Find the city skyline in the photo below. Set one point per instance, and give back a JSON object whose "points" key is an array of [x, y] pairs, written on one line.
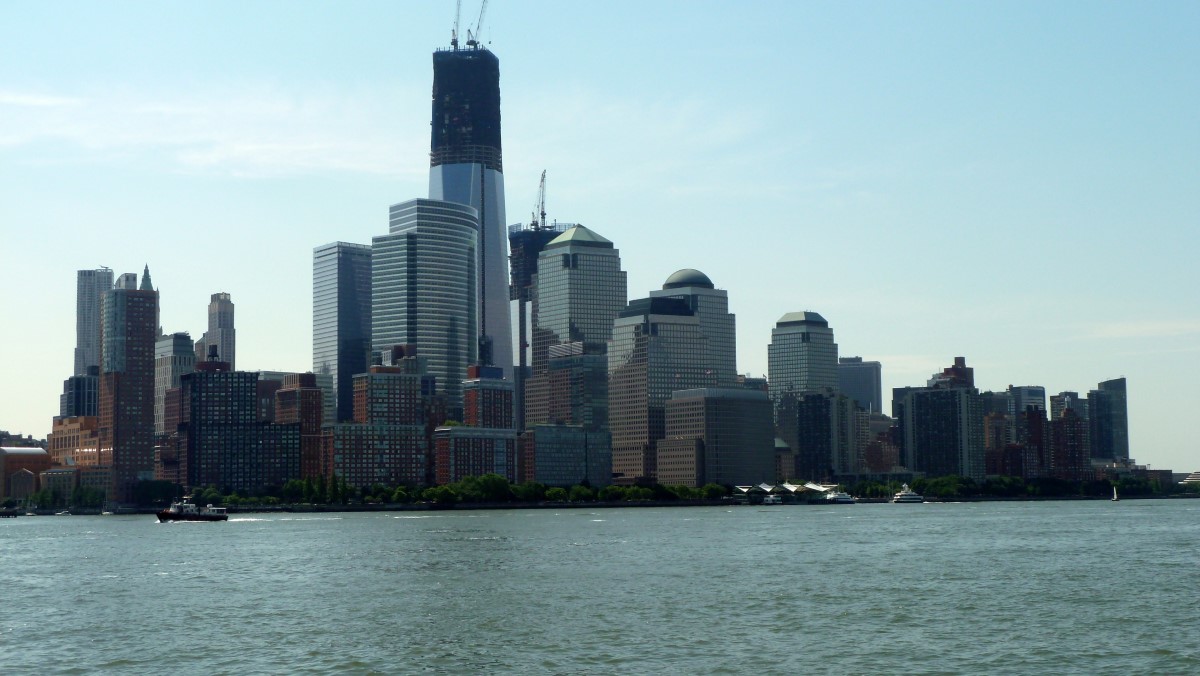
{"points": [[1008, 183]]}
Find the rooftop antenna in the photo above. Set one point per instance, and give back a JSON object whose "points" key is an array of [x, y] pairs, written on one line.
{"points": [[454, 31]]}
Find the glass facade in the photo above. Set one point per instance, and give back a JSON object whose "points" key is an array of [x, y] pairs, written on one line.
{"points": [[423, 289], [711, 307], [657, 348], [90, 287], [342, 318], [174, 356], [802, 355]]}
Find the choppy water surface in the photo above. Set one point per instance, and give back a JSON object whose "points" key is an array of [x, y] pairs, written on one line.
{"points": [[1059, 587]]}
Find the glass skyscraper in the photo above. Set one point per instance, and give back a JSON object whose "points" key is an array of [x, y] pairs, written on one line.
{"points": [[802, 355], [342, 318], [711, 306], [466, 168], [423, 289], [90, 287], [657, 348]]}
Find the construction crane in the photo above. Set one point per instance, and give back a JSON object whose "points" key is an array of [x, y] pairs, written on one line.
{"points": [[454, 31], [540, 224], [473, 38]]}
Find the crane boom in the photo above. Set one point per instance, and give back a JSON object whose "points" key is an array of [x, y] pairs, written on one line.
{"points": [[542, 200], [454, 31]]}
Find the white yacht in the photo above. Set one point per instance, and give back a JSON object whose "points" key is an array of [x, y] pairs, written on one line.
{"points": [[906, 494], [839, 498], [772, 500]]}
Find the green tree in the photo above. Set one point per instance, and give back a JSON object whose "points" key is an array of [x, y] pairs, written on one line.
{"points": [[440, 495], [612, 493], [530, 491], [581, 493], [713, 491], [556, 494], [400, 495], [292, 491]]}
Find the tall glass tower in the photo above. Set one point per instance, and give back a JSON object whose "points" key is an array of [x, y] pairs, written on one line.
{"points": [[466, 168], [90, 287], [342, 318], [711, 306], [423, 290], [802, 356]]}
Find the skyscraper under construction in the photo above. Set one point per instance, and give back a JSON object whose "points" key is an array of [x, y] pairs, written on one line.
{"points": [[466, 167]]}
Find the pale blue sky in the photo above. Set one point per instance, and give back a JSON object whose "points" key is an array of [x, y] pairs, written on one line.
{"points": [[1017, 183]]}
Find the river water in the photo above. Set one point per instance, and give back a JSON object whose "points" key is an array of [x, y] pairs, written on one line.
{"points": [[1017, 588]]}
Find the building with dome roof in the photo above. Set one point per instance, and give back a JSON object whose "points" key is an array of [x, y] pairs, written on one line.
{"points": [[719, 326]]}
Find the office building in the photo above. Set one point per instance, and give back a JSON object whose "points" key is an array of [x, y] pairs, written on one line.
{"points": [[862, 381], [80, 395], [657, 348], [173, 357], [1108, 420], [525, 244], [566, 455], [466, 168], [423, 290], [580, 291], [717, 435], [1064, 400], [802, 356], [826, 432], [90, 287], [220, 331], [126, 399], [711, 307], [342, 318]]}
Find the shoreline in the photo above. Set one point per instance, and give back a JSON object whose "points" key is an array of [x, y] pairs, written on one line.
{"points": [[476, 506]]}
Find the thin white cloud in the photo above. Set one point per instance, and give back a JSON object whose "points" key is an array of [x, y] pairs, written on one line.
{"points": [[1168, 328], [241, 132], [36, 100]]}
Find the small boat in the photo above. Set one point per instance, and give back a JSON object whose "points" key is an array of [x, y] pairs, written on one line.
{"points": [[65, 512], [1115, 498], [186, 510], [839, 498], [906, 494], [773, 500]]}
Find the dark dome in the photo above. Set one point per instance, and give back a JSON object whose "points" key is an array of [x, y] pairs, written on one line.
{"points": [[688, 277]]}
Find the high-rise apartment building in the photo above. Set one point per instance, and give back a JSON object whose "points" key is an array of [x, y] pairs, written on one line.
{"points": [[129, 321], [943, 424], [657, 348], [802, 356], [862, 381], [711, 307], [1108, 420], [466, 168], [423, 290], [342, 318], [90, 287], [173, 357]]}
